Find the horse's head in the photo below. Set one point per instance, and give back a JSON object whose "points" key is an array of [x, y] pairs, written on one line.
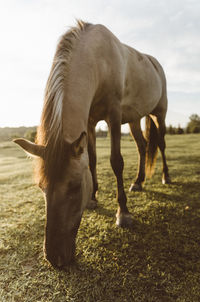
{"points": [[65, 201]]}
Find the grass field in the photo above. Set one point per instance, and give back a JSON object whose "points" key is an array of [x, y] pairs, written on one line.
{"points": [[157, 260]]}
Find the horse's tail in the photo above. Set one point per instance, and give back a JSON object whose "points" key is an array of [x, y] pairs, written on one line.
{"points": [[151, 135]]}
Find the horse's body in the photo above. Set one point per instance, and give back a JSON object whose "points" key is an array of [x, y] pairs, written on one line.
{"points": [[94, 77]]}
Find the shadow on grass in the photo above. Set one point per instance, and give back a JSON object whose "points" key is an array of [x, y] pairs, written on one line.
{"points": [[151, 262], [182, 192], [103, 211]]}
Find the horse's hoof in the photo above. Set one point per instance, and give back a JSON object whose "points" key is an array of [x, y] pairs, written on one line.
{"points": [[124, 220], [135, 188], [166, 180], [92, 204]]}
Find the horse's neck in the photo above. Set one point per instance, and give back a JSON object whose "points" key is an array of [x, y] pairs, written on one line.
{"points": [[73, 126], [76, 107], [79, 91]]}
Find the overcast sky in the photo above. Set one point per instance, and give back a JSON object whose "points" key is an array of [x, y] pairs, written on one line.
{"points": [[30, 29]]}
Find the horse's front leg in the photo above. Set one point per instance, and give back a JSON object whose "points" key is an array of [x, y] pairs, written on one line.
{"points": [[92, 163], [124, 218]]}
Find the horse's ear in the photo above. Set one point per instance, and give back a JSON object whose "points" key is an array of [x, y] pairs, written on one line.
{"points": [[79, 144], [31, 148]]}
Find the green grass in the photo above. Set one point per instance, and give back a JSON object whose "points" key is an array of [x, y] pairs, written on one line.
{"points": [[158, 260]]}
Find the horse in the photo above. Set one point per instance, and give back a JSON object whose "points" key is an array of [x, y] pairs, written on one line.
{"points": [[93, 77]]}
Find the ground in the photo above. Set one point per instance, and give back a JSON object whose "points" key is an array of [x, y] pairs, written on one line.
{"points": [[157, 260]]}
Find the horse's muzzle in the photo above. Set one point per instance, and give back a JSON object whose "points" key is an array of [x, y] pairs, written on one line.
{"points": [[59, 257]]}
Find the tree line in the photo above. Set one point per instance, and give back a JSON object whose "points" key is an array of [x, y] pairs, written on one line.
{"points": [[193, 126], [29, 133]]}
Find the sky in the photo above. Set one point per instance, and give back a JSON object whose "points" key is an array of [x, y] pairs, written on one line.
{"points": [[30, 29]]}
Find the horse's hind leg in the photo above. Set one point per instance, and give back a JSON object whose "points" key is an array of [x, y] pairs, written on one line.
{"points": [[124, 218], [161, 144], [92, 162], [141, 145]]}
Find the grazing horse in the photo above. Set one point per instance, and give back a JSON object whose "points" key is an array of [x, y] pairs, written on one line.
{"points": [[93, 77]]}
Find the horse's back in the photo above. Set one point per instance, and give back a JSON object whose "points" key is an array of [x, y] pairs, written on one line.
{"points": [[136, 79], [110, 74], [107, 53], [144, 85]]}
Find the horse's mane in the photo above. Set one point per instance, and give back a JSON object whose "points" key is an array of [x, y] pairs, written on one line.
{"points": [[50, 131]]}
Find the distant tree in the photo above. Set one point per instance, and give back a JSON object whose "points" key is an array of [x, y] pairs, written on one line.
{"points": [[174, 130], [101, 133], [30, 135], [170, 130], [195, 118], [196, 129], [9, 133], [179, 130], [194, 124]]}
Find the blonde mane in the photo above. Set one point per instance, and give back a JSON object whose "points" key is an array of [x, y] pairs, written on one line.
{"points": [[50, 131]]}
